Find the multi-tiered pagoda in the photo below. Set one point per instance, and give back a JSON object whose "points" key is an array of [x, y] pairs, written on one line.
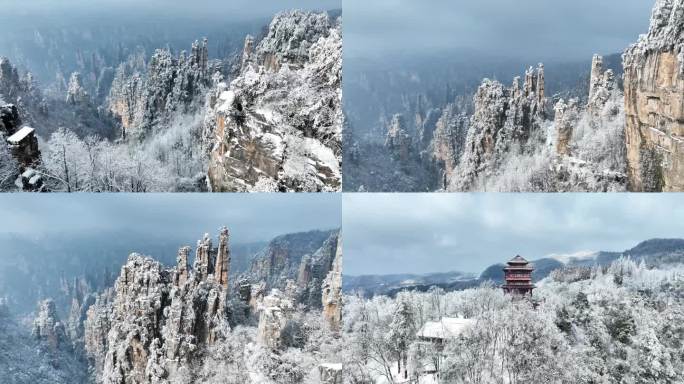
{"points": [[518, 277]]}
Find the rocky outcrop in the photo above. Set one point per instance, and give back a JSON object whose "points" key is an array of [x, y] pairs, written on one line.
{"points": [[296, 264], [565, 119], [332, 292], [144, 97], [504, 120], [158, 321], [76, 94], [397, 140], [654, 102], [602, 87], [47, 327], [277, 126], [274, 314], [41, 355], [448, 142], [10, 122]]}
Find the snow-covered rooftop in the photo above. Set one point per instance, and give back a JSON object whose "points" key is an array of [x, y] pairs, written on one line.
{"points": [[20, 135], [447, 327]]}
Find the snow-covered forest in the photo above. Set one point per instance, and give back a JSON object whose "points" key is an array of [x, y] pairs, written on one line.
{"points": [[135, 117], [622, 323]]}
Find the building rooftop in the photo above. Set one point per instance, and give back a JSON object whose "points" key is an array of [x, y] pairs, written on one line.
{"points": [[518, 260], [445, 328], [20, 135]]}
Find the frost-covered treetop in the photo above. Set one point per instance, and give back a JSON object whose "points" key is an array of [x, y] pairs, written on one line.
{"points": [[665, 31], [292, 33]]}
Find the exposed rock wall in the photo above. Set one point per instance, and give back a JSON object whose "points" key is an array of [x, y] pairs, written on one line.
{"points": [[398, 141], [157, 321], [277, 126], [274, 314], [47, 326], [448, 142], [564, 122], [503, 121], [145, 96], [302, 259], [654, 102], [332, 291]]}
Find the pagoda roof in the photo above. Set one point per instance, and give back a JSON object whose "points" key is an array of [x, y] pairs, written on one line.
{"points": [[518, 260]]}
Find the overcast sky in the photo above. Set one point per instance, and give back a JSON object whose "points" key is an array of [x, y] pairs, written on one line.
{"points": [[250, 217], [529, 29], [422, 233], [228, 9]]}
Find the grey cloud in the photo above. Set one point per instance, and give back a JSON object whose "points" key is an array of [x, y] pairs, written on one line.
{"points": [[530, 29], [230, 10], [251, 217], [395, 233]]}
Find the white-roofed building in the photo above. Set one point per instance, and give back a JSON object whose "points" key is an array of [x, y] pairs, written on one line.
{"points": [[24, 146], [20, 135], [432, 336], [444, 329]]}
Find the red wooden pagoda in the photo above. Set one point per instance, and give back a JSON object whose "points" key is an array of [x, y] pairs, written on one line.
{"points": [[518, 277]]}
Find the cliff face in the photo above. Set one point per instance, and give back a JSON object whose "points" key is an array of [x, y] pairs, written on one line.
{"points": [[296, 264], [332, 291], [448, 142], [654, 102], [277, 126], [157, 322]]}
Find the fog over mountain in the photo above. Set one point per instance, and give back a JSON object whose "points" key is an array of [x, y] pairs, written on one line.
{"points": [[414, 233]]}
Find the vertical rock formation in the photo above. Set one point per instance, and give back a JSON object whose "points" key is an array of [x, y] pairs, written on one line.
{"points": [[277, 126], [504, 120], [275, 312], [397, 140], [76, 94], [157, 323], [654, 102], [332, 292], [596, 74], [247, 53], [222, 267], [146, 96], [448, 142], [564, 121], [602, 87], [182, 268], [47, 327]]}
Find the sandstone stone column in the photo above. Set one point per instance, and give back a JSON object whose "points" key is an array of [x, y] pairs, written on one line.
{"points": [[183, 266], [596, 74], [202, 264], [332, 291], [222, 267]]}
